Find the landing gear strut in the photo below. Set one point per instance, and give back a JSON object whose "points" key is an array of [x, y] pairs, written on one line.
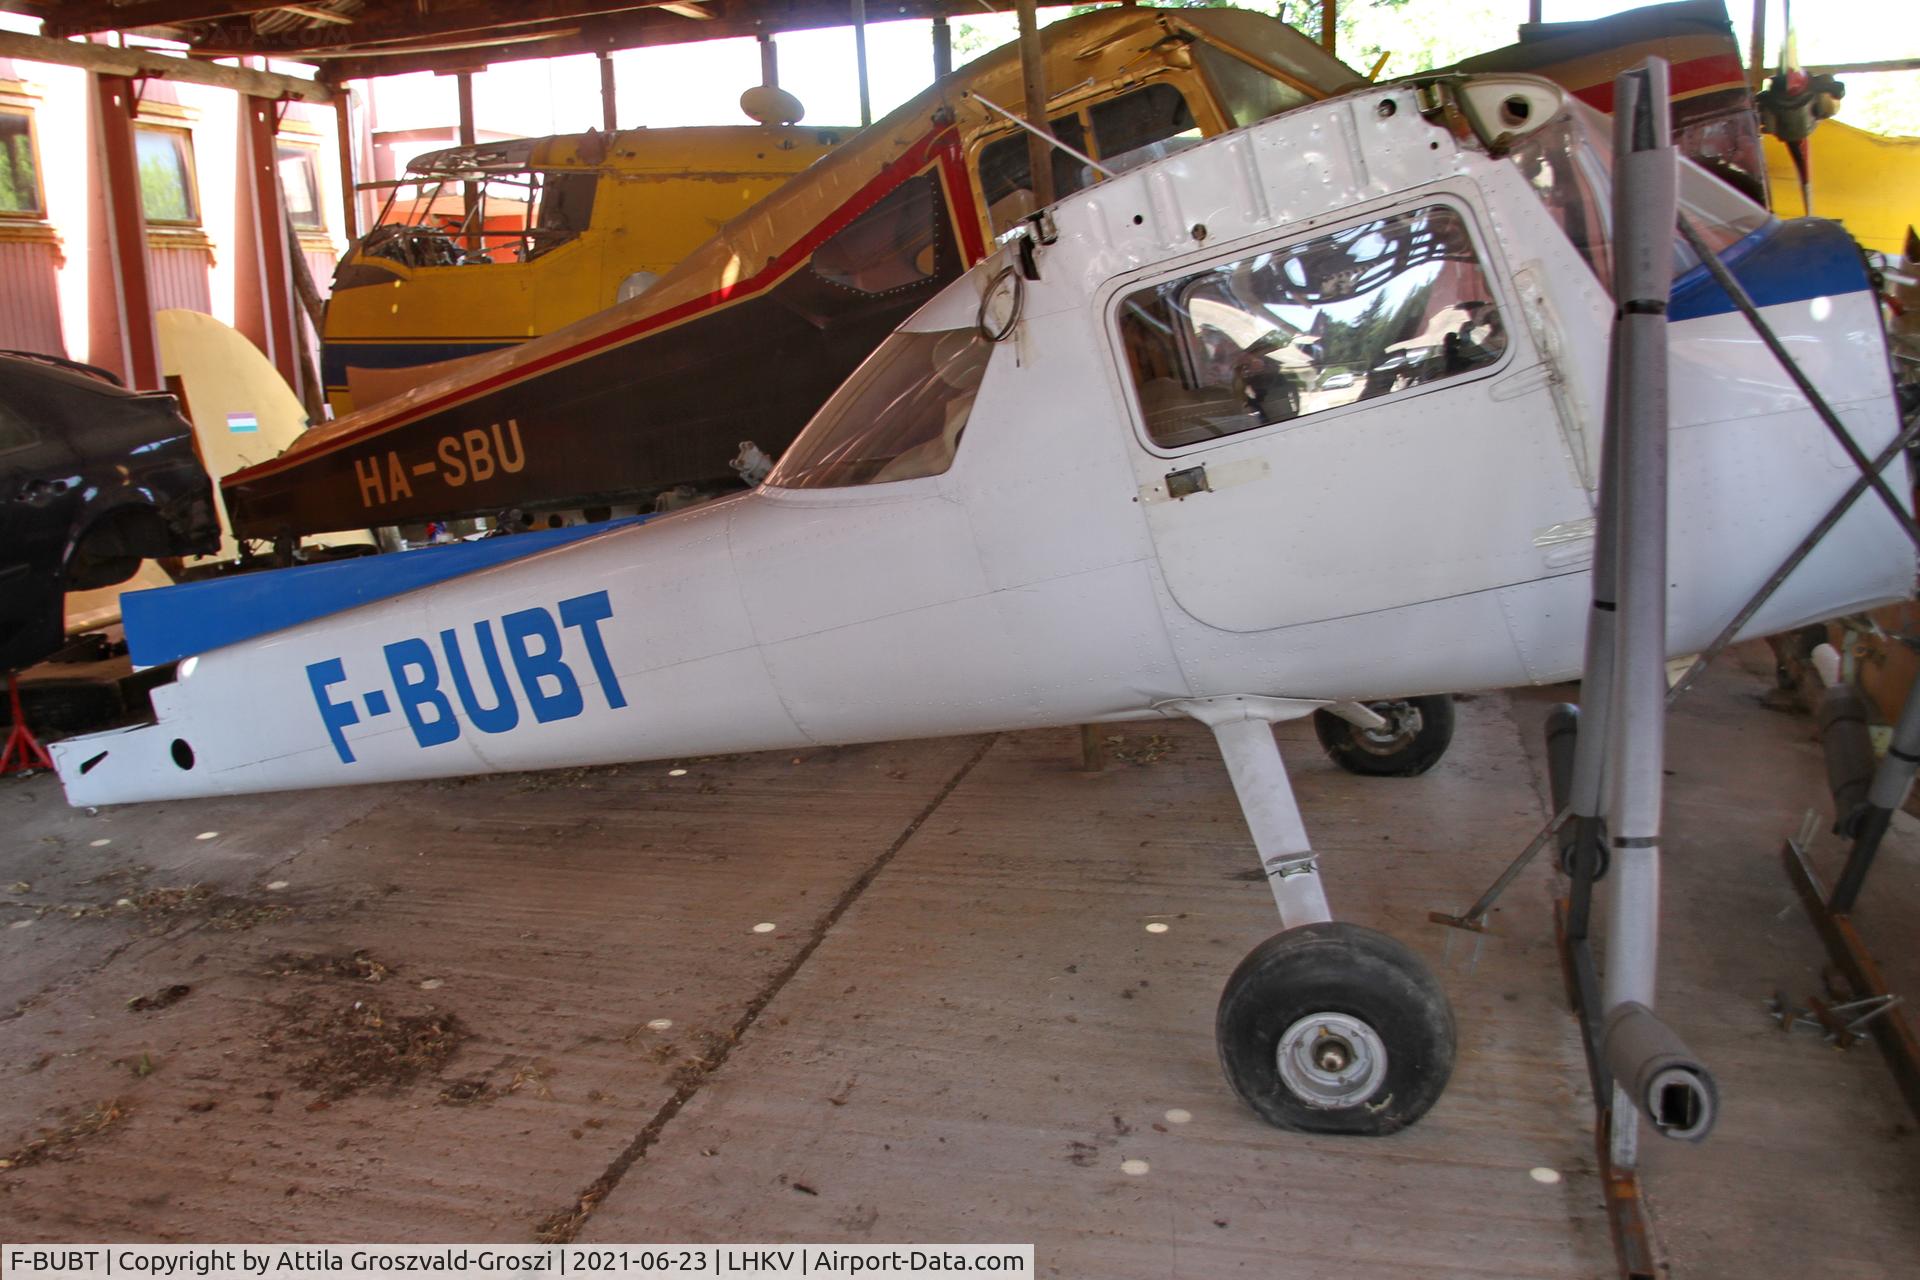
{"points": [[1326, 1027]]}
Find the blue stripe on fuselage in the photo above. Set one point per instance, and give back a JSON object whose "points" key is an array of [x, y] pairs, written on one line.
{"points": [[172, 622], [1781, 262]]}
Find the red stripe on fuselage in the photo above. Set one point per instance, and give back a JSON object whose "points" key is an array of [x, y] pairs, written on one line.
{"points": [[966, 214], [1722, 70], [910, 162]]}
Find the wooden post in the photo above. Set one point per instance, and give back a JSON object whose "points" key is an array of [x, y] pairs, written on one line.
{"points": [[769, 61], [349, 194], [1326, 23], [609, 113], [860, 59], [942, 49], [126, 232], [1093, 749], [470, 192], [1757, 59], [153, 64], [1033, 76], [270, 238]]}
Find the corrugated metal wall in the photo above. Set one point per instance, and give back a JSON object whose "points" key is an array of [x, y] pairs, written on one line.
{"points": [[29, 298], [320, 263], [179, 278]]}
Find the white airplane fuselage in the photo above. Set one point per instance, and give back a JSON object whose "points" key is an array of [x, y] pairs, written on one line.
{"points": [[1435, 538]]}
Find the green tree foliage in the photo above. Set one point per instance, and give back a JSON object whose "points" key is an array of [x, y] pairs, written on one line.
{"points": [[18, 188]]}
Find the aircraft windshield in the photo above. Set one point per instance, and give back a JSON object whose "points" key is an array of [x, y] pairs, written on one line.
{"points": [[1247, 94], [1569, 164], [899, 417], [442, 219]]}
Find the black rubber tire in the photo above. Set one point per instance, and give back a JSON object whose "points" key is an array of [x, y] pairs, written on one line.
{"points": [[1344, 745], [1342, 968]]}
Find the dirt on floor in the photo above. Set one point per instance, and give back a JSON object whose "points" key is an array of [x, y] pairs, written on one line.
{"points": [[951, 990]]}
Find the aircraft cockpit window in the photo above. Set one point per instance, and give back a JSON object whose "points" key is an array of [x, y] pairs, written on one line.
{"points": [[1137, 127], [1397, 303], [900, 416], [1560, 164], [1569, 164], [1129, 130], [470, 217], [566, 209], [1723, 216], [1246, 93], [893, 245], [1006, 180]]}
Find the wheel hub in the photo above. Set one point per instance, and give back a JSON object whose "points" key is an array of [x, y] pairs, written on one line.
{"points": [[1404, 723], [1331, 1060]]}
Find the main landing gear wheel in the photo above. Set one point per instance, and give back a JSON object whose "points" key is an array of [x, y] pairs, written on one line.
{"points": [[1416, 735], [1335, 1028]]}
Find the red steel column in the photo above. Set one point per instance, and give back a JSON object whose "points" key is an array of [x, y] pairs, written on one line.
{"points": [[127, 231], [270, 237]]}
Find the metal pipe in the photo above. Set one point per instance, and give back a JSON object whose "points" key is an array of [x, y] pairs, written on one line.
{"points": [[860, 59], [1474, 916], [1666, 1081], [769, 60], [1846, 742], [1891, 783], [1327, 33], [1586, 791], [1718, 270], [1646, 192], [942, 49], [1563, 743], [1756, 58], [1042, 138]]}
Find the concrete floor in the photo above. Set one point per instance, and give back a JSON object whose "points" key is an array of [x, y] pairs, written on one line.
{"points": [[957, 1028]]}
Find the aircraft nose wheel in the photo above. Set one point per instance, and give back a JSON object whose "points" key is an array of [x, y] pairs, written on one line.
{"points": [[1417, 734], [1335, 1028]]}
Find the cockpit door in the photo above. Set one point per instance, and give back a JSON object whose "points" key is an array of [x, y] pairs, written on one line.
{"points": [[1346, 422]]}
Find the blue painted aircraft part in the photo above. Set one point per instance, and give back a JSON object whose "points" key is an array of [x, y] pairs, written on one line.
{"points": [[1781, 262], [169, 623]]}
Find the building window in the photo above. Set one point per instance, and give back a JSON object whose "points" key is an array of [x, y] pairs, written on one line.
{"points": [[167, 194], [19, 171], [1392, 305], [300, 186]]}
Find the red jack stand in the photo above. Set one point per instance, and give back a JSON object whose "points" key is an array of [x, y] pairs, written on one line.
{"points": [[23, 752]]}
